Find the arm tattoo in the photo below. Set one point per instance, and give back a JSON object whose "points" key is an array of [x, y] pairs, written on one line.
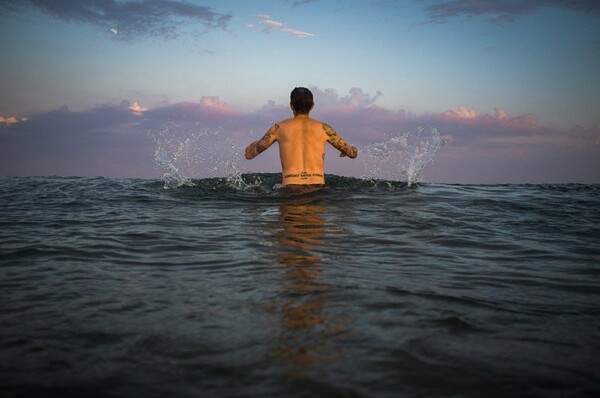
{"points": [[267, 139], [338, 142], [333, 136]]}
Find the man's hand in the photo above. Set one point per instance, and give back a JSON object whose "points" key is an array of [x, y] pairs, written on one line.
{"points": [[353, 151], [250, 151]]}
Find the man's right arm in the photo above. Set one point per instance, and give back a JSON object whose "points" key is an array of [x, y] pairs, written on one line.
{"points": [[257, 147], [338, 143]]}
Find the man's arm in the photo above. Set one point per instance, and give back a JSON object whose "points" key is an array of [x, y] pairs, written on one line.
{"points": [[254, 149], [338, 143]]}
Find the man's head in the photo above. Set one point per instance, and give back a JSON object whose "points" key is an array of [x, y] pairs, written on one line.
{"points": [[301, 100]]}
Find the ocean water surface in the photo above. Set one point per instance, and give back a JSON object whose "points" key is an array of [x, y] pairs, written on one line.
{"points": [[232, 287]]}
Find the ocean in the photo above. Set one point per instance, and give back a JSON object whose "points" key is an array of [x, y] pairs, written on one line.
{"points": [[232, 287]]}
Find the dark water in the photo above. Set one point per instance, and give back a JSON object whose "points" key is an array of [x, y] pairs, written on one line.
{"points": [[120, 288]]}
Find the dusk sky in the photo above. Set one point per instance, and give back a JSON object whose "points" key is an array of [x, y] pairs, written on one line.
{"points": [[513, 86]]}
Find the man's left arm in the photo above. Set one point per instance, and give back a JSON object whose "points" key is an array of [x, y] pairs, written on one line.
{"points": [[338, 143], [257, 147]]}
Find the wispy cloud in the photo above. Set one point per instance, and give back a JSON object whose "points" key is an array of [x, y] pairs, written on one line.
{"points": [[302, 2], [504, 11], [271, 25], [130, 19]]}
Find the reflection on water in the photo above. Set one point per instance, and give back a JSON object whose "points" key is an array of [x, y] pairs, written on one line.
{"points": [[307, 329]]}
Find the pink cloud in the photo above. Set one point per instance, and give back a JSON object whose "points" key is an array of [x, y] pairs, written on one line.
{"points": [[270, 25], [527, 121], [296, 33], [7, 121], [99, 141], [209, 109], [461, 113], [500, 121], [214, 104], [356, 99], [500, 113], [137, 109]]}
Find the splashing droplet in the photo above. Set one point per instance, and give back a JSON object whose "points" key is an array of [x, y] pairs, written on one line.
{"points": [[403, 156], [183, 152]]}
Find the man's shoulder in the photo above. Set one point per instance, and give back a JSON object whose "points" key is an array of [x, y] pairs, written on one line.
{"points": [[285, 121], [316, 121], [295, 119]]}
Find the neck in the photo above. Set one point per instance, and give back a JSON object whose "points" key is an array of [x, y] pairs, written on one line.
{"points": [[300, 114]]}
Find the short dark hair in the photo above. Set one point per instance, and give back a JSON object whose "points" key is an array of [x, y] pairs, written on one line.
{"points": [[301, 100]]}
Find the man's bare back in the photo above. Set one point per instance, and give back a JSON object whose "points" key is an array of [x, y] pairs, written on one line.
{"points": [[301, 142]]}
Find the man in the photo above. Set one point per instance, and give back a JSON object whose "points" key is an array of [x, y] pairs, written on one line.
{"points": [[301, 142]]}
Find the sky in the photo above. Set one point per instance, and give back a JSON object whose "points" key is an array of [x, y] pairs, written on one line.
{"points": [[512, 86]]}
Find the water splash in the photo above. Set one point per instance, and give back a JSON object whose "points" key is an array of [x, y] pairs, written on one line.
{"points": [[186, 152], [403, 156]]}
